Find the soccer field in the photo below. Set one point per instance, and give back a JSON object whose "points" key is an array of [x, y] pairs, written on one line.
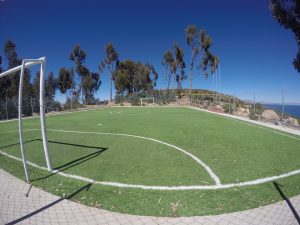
{"points": [[145, 160]]}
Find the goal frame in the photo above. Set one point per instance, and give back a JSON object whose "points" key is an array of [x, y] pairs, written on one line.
{"points": [[147, 99], [25, 64]]}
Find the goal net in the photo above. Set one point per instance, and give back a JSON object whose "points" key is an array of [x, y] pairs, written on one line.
{"points": [[147, 101], [14, 105]]}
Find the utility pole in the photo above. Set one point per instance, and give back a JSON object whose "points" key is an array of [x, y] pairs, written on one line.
{"points": [[282, 110]]}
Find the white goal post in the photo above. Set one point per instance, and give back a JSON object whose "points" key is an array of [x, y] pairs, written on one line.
{"points": [[25, 64], [152, 99]]}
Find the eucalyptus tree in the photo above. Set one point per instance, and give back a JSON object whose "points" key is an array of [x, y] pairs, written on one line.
{"points": [[90, 85], [110, 62], [191, 35], [131, 77], [287, 13], [154, 73], [79, 56], [50, 87], [10, 83], [11, 56], [178, 67], [65, 80], [208, 62], [1, 69], [168, 61], [3, 82]]}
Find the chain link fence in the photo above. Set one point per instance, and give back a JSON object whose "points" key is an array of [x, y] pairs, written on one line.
{"points": [[31, 107]]}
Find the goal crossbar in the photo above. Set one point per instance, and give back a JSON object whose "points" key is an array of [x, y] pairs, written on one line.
{"points": [[25, 64]]}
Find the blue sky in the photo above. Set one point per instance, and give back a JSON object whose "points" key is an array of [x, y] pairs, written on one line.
{"points": [[256, 54]]}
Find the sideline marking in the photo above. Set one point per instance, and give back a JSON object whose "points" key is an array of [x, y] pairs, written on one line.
{"points": [[250, 123], [113, 113], [130, 113]]}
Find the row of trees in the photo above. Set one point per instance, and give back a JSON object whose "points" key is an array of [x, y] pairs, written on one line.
{"points": [[79, 83], [9, 85], [200, 43], [128, 76]]}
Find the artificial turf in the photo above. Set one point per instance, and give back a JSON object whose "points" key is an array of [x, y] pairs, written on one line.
{"points": [[235, 151]]}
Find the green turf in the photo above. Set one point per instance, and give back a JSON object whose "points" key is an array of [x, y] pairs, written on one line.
{"points": [[235, 151]]}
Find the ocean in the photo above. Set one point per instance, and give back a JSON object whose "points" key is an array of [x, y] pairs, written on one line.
{"points": [[293, 110]]}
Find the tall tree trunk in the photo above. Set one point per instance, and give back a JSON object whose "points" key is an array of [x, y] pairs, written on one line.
{"points": [[191, 79], [179, 87], [111, 79], [174, 87], [191, 72], [110, 98], [168, 85]]}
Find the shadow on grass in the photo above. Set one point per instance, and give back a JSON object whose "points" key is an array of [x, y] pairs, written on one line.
{"points": [[74, 162], [277, 186], [69, 164], [15, 144], [87, 187]]}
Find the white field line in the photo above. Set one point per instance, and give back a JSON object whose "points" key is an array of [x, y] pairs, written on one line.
{"points": [[130, 114], [206, 167], [251, 123], [161, 188]]}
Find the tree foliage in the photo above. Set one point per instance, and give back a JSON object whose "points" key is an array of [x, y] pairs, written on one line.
{"points": [[110, 62], [175, 65], [65, 80], [167, 62], [133, 77], [191, 35], [89, 81], [287, 13], [209, 62], [50, 87], [178, 67]]}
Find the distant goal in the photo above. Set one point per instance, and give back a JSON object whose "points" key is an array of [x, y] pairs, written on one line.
{"points": [[147, 102]]}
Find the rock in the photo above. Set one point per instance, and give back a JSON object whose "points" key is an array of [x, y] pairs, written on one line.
{"points": [[242, 111], [293, 121], [270, 115]]}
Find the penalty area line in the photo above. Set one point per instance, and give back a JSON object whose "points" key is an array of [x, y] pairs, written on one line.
{"points": [[160, 188], [200, 162]]}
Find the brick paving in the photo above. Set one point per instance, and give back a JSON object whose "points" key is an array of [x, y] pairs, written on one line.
{"points": [[41, 207]]}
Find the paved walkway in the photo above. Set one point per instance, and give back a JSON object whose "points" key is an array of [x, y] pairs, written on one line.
{"points": [[41, 207]]}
